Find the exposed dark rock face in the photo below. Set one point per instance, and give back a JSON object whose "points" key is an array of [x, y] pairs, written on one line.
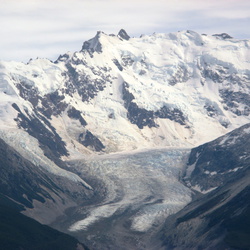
{"points": [[223, 36], [93, 45], [52, 103], [20, 232], [211, 110], [127, 60], [49, 140], [76, 114], [88, 139], [118, 65], [123, 34], [83, 85], [142, 117], [217, 75], [172, 114], [62, 58], [214, 163], [181, 75], [233, 101], [27, 90]]}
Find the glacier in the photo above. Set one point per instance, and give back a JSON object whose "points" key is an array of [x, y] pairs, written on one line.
{"points": [[144, 183]]}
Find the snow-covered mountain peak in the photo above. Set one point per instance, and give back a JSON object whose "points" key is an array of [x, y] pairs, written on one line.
{"points": [[101, 40], [94, 43], [119, 93]]}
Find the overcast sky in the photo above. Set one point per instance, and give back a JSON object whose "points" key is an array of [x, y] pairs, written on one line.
{"points": [[48, 28]]}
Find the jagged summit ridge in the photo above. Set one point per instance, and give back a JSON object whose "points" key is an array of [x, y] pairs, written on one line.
{"points": [[123, 34], [121, 93], [95, 44]]}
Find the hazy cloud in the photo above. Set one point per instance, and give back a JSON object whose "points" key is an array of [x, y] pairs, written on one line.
{"points": [[45, 28]]}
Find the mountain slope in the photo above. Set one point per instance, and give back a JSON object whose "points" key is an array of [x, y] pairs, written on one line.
{"points": [[221, 218], [120, 93], [38, 193], [213, 164], [20, 232]]}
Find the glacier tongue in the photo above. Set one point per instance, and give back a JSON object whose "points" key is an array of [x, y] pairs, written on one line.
{"points": [[145, 184]]}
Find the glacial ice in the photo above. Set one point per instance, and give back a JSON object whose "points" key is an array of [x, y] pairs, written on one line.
{"points": [[145, 182]]}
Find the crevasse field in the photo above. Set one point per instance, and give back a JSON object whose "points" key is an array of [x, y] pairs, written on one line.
{"points": [[145, 184]]}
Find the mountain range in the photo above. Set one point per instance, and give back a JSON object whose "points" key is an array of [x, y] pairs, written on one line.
{"points": [[132, 143]]}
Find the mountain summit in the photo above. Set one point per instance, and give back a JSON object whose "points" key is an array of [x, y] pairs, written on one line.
{"points": [[123, 34], [120, 93]]}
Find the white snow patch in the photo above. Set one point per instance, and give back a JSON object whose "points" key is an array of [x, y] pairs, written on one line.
{"points": [[235, 169], [247, 130], [198, 188]]}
